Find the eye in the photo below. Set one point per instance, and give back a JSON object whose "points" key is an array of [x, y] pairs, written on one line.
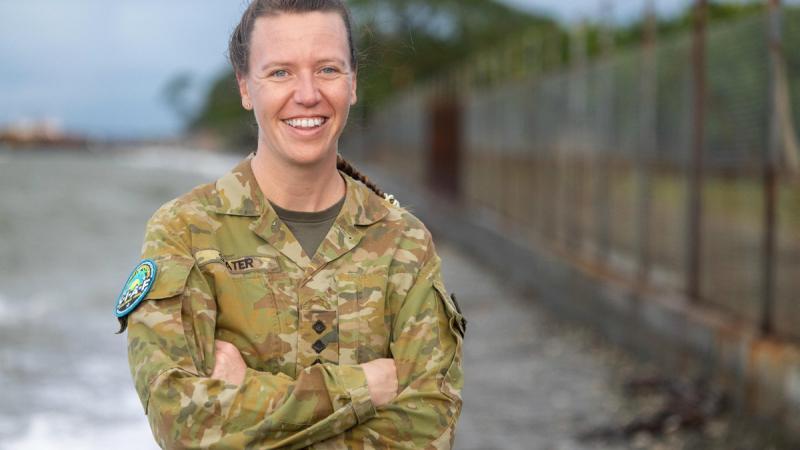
{"points": [[280, 73], [329, 70]]}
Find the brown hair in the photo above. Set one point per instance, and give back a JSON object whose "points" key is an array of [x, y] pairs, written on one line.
{"points": [[348, 168], [239, 49], [239, 45]]}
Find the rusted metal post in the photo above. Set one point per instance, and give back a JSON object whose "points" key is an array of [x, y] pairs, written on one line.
{"points": [[498, 197], [561, 170], [507, 156], [553, 209], [695, 204], [576, 152], [769, 176], [606, 110], [647, 142], [444, 159]]}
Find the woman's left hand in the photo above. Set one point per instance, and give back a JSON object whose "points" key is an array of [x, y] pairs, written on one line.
{"points": [[228, 365]]}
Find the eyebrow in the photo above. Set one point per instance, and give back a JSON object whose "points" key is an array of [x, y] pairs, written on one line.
{"points": [[289, 64], [332, 60]]}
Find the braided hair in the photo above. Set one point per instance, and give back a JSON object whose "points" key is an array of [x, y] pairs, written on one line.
{"points": [[348, 168]]}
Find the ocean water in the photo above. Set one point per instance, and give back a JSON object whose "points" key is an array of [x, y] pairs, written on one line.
{"points": [[71, 225]]}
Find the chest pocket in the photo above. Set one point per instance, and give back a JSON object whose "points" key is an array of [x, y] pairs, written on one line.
{"points": [[363, 325], [247, 314]]}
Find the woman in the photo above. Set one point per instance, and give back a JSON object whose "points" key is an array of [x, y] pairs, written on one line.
{"points": [[288, 304]]}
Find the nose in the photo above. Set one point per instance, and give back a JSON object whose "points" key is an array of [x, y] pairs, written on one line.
{"points": [[306, 92]]}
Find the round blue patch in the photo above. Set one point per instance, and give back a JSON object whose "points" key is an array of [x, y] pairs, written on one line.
{"points": [[136, 288]]}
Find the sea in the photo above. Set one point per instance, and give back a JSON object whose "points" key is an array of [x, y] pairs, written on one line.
{"points": [[71, 227]]}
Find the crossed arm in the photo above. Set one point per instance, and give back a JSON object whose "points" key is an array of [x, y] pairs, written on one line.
{"points": [[381, 374], [196, 396]]}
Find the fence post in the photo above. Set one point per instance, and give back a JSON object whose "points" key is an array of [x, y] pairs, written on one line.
{"points": [[574, 154], [582, 161], [606, 106], [647, 142], [768, 168], [555, 218], [695, 191]]}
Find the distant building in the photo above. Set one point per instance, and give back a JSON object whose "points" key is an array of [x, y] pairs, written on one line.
{"points": [[42, 133]]}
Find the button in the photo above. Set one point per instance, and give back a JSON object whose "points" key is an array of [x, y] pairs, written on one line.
{"points": [[318, 346], [318, 326]]}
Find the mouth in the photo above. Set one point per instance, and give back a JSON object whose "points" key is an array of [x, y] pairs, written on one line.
{"points": [[306, 123]]}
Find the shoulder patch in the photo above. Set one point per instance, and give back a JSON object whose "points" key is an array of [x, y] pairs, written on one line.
{"points": [[136, 288]]}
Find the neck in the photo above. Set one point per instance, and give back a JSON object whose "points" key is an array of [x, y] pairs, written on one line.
{"points": [[308, 188]]}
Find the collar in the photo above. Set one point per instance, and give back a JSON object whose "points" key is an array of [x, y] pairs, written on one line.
{"points": [[238, 194]]}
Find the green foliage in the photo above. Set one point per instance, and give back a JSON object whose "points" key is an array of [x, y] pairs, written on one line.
{"points": [[718, 11], [406, 41], [222, 114]]}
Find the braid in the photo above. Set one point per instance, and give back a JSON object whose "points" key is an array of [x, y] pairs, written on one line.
{"points": [[348, 168]]}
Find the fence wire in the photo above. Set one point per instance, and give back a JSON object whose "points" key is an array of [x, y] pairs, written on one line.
{"points": [[593, 158]]}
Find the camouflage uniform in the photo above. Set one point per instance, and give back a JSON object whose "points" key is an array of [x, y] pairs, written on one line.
{"points": [[229, 269]]}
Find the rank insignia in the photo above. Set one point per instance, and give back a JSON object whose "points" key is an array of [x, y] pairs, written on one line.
{"points": [[136, 288]]}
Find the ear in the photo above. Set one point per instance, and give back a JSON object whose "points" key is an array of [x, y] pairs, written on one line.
{"points": [[353, 91], [247, 102]]}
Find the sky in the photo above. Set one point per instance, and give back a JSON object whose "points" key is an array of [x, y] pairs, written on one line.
{"points": [[576, 10], [99, 67]]}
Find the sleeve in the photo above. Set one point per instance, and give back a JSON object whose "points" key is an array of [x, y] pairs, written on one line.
{"points": [[170, 350], [426, 345]]}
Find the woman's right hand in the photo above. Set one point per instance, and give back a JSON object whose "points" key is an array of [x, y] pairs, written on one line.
{"points": [[381, 377], [228, 365]]}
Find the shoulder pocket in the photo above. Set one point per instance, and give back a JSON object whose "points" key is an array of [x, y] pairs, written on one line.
{"points": [[457, 321], [171, 276]]}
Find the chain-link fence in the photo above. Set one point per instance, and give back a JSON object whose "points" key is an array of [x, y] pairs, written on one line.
{"points": [[668, 164]]}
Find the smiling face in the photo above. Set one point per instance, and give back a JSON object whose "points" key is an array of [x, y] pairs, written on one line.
{"points": [[299, 84]]}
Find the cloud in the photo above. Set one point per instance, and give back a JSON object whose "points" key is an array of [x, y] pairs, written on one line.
{"points": [[101, 65]]}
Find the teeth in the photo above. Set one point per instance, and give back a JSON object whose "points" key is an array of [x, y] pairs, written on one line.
{"points": [[306, 123]]}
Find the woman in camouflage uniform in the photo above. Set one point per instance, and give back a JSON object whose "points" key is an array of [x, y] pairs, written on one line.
{"points": [[250, 328]]}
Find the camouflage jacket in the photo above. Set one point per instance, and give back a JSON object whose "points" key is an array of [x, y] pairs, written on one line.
{"points": [[228, 268]]}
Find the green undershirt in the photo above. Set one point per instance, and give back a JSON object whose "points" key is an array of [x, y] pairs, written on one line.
{"points": [[309, 228]]}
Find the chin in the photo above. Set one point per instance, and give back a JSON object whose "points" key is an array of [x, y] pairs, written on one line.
{"points": [[310, 155]]}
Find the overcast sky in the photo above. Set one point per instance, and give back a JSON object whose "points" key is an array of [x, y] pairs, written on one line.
{"points": [[99, 66], [576, 10]]}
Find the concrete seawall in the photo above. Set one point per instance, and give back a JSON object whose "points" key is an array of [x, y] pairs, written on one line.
{"points": [[762, 375]]}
